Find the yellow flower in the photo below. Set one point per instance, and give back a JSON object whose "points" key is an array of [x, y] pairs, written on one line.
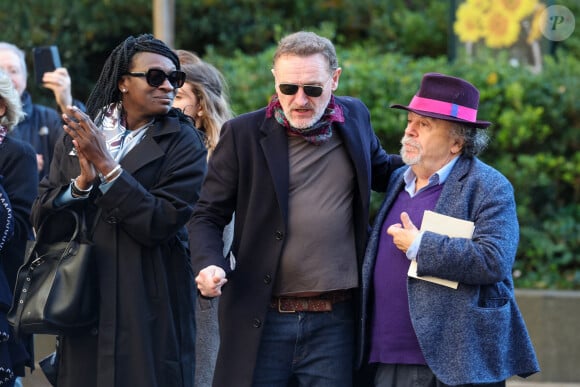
{"points": [[518, 9], [499, 29], [492, 78], [468, 23], [538, 21]]}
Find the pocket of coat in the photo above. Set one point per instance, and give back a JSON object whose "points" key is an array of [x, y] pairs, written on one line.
{"points": [[493, 296], [493, 302]]}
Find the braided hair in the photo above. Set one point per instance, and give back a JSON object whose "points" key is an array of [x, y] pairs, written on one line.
{"points": [[106, 90]]}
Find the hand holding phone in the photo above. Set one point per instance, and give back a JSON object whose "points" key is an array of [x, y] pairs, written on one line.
{"points": [[46, 59]]}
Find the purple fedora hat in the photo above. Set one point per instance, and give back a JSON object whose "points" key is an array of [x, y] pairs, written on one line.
{"points": [[447, 98]]}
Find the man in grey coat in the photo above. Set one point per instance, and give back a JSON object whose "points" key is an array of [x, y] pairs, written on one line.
{"points": [[423, 333]]}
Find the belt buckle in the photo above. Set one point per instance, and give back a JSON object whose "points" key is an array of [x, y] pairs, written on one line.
{"points": [[280, 310]]}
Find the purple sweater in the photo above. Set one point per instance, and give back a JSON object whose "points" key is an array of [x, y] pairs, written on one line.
{"points": [[393, 340]]}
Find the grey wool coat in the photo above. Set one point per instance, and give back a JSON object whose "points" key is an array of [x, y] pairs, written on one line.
{"points": [[249, 174], [474, 334], [146, 328]]}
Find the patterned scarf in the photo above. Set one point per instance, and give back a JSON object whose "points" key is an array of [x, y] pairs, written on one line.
{"points": [[114, 127], [3, 132], [318, 133], [113, 124]]}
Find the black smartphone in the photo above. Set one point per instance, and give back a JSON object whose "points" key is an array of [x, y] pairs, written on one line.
{"points": [[46, 58]]}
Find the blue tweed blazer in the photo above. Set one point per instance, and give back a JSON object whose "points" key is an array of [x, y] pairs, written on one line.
{"points": [[474, 334]]}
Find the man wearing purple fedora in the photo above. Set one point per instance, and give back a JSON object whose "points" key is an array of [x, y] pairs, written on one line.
{"points": [[420, 333]]}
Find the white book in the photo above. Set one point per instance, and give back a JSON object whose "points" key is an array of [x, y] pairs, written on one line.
{"points": [[444, 225]]}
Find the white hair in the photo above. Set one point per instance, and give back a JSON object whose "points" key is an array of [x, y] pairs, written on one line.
{"points": [[11, 99]]}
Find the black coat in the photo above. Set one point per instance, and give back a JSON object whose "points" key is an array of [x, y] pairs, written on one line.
{"points": [[146, 327], [19, 176], [249, 173]]}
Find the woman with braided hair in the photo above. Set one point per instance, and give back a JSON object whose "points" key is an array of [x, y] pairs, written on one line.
{"points": [[133, 165]]}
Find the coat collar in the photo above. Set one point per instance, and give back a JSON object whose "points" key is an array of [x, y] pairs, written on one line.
{"points": [[148, 149], [453, 187], [27, 103]]}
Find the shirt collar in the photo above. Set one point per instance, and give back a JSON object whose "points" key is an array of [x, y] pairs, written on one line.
{"points": [[438, 177]]}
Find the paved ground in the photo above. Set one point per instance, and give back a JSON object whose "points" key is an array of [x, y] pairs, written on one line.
{"points": [[38, 380], [44, 345]]}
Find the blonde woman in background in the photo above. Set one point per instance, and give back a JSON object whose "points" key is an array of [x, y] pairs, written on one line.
{"points": [[204, 99], [187, 57]]}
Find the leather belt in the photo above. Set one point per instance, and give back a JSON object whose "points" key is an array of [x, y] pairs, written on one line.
{"points": [[319, 303]]}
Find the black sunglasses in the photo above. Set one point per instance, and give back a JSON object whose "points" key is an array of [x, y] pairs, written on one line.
{"points": [[156, 77], [309, 90]]}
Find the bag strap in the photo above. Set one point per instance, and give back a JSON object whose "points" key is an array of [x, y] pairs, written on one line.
{"points": [[21, 299]]}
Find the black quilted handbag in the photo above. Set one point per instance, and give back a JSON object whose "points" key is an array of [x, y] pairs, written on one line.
{"points": [[56, 288]]}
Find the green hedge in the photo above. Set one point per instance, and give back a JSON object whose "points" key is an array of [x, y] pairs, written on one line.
{"points": [[535, 140], [385, 47], [87, 30]]}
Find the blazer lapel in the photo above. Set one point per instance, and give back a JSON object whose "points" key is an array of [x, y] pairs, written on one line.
{"points": [[275, 147], [396, 185], [148, 149], [452, 189]]}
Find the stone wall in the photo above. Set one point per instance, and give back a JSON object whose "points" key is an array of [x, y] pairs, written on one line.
{"points": [[553, 320]]}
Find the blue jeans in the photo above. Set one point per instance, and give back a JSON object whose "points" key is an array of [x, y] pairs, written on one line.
{"points": [[312, 348]]}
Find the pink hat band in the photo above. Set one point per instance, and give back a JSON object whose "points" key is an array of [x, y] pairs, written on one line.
{"points": [[445, 108], [446, 98]]}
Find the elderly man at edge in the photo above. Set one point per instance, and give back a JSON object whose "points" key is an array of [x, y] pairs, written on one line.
{"points": [[425, 334]]}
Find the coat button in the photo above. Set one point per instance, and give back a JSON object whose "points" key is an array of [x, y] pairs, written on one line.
{"points": [[278, 235], [257, 323], [267, 279]]}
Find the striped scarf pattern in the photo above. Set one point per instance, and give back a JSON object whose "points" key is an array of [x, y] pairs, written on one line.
{"points": [[318, 133]]}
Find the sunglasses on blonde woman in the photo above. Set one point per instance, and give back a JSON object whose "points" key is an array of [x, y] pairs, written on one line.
{"points": [[156, 77]]}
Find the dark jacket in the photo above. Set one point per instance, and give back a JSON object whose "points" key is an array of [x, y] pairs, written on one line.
{"points": [[474, 334], [19, 176], [20, 180], [146, 328], [41, 128], [249, 173]]}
